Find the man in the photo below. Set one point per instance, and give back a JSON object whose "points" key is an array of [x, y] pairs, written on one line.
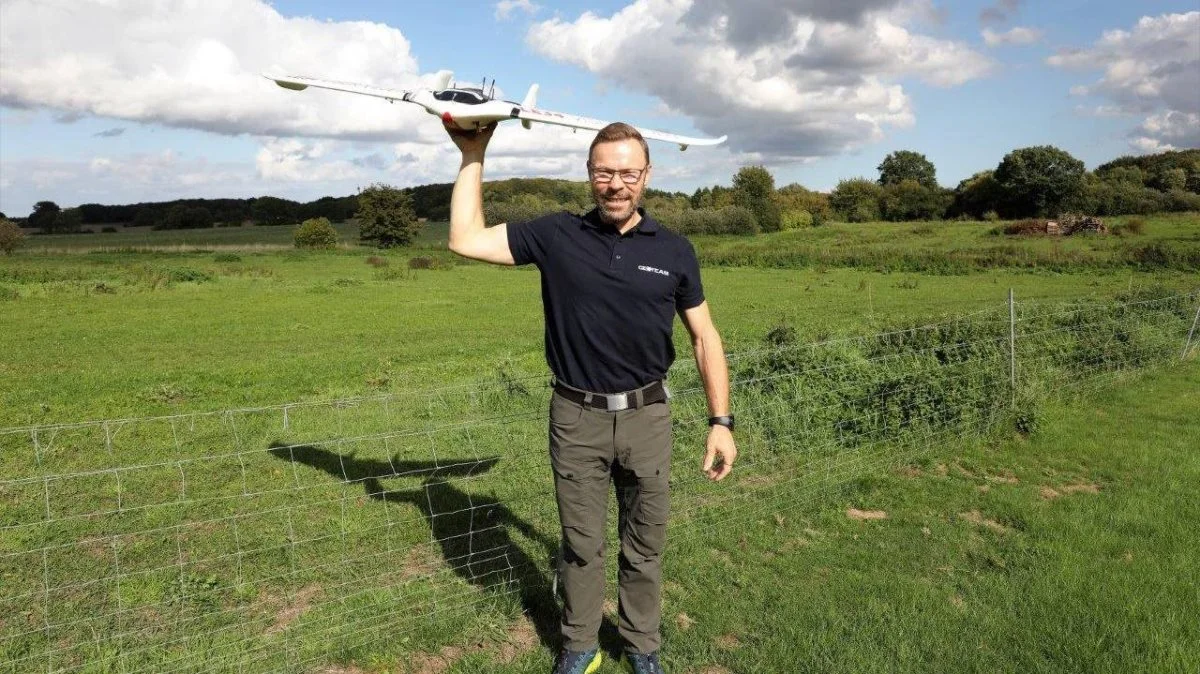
{"points": [[612, 282]]}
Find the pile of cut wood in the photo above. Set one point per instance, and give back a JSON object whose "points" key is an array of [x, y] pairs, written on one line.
{"points": [[1074, 224]]}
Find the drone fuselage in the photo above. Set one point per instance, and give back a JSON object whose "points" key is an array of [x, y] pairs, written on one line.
{"points": [[463, 108]]}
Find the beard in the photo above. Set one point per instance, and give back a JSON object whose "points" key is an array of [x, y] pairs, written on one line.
{"points": [[615, 213]]}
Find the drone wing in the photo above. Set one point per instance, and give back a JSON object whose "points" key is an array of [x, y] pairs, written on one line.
{"points": [[302, 83], [576, 122]]}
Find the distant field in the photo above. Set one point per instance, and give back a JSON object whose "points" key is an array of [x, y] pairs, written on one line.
{"points": [[1170, 241], [247, 237], [117, 334]]}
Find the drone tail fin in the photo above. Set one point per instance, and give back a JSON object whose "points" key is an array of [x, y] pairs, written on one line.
{"points": [[530, 98]]}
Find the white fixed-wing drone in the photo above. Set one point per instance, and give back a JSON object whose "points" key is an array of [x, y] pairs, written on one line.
{"points": [[471, 108]]}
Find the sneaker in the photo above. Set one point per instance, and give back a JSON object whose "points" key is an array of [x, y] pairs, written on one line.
{"points": [[643, 663], [575, 662]]}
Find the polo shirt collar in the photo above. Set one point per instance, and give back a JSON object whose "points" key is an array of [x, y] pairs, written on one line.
{"points": [[647, 225]]}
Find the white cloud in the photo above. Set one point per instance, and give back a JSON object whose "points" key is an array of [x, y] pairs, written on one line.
{"points": [[825, 78], [505, 8], [197, 65], [1015, 35], [1152, 70]]}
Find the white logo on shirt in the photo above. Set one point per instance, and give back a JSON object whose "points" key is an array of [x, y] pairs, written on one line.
{"points": [[654, 270]]}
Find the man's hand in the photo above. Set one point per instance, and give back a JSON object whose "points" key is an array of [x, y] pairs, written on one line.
{"points": [[473, 142], [720, 446]]}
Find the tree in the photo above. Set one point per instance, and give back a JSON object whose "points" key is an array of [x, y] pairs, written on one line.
{"points": [[856, 199], [910, 200], [68, 221], [187, 217], [44, 215], [1169, 179], [904, 165], [796, 197], [386, 216], [754, 190], [274, 211], [145, 217], [11, 236], [976, 195], [1038, 180]]}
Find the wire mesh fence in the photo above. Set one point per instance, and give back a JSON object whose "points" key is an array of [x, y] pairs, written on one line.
{"points": [[281, 538]]}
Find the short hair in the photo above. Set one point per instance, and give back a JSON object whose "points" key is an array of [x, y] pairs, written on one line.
{"points": [[619, 131]]}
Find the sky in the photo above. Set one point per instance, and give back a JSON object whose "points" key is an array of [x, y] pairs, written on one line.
{"points": [[123, 101]]}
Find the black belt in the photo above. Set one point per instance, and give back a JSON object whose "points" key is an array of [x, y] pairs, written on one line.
{"points": [[654, 392]]}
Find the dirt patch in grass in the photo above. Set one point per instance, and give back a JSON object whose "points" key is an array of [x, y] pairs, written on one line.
{"points": [[420, 561], [977, 518], [290, 613], [863, 515], [728, 642], [520, 637], [711, 669], [1005, 477], [343, 669], [910, 471], [684, 622], [427, 663], [1050, 493]]}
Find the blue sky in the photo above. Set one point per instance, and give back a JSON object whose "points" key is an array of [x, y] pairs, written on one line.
{"points": [[155, 101]]}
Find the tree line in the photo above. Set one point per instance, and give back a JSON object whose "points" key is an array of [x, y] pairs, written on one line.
{"points": [[1033, 181]]}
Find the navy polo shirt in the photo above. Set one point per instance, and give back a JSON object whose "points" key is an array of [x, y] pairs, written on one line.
{"points": [[609, 299]]}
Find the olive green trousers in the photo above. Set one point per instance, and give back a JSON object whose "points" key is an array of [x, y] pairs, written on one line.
{"points": [[589, 450]]}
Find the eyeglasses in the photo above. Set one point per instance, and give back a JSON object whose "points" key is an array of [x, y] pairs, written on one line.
{"points": [[628, 176]]}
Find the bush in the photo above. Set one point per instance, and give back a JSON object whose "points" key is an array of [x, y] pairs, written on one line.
{"points": [[910, 200], [522, 208], [11, 236], [727, 220], [376, 261], [227, 257], [795, 220], [423, 262], [991, 216], [108, 230], [316, 233], [1131, 227], [856, 200]]}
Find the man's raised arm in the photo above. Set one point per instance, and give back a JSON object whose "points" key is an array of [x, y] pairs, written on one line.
{"points": [[469, 234]]}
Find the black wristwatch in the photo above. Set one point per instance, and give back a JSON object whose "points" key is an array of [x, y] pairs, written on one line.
{"points": [[727, 422]]}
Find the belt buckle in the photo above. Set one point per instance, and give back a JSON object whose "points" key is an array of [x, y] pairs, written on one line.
{"points": [[616, 402]]}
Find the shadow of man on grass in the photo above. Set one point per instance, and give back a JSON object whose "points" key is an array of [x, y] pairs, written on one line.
{"points": [[471, 529]]}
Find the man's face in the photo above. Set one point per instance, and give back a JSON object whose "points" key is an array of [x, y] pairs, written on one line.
{"points": [[610, 166]]}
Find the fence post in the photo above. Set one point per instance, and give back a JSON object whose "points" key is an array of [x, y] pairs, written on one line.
{"points": [[1012, 346], [1187, 346]]}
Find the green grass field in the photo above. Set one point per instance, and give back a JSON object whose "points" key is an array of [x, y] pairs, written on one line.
{"points": [[379, 532]]}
